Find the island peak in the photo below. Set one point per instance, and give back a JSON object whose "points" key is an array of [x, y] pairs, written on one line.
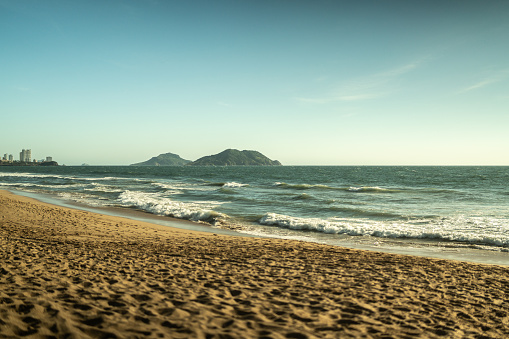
{"points": [[234, 157]]}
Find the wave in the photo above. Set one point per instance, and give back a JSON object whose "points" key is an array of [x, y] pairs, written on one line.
{"points": [[234, 185], [109, 179], [169, 188], [231, 184], [229, 187], [368, 189], [69, 177], [305, 186], [17, 184], [364, 212], [84, 198], [302, 196], [34, 175], [33, 185], [104, 188], [372, 189], [227, 190], [439, 230], [155, 204]]}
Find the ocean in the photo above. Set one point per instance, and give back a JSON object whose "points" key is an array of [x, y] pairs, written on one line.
{"points": [[447, 212]]}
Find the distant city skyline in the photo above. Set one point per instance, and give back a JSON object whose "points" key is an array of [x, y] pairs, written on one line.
{"points": [[9, 157], [304, 82], [25, 156]]}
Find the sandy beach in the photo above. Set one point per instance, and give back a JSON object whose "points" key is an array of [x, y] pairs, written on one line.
{"points": [[68, 273]]}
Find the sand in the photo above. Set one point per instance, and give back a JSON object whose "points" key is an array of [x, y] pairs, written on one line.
{"points": [[74, 274]]}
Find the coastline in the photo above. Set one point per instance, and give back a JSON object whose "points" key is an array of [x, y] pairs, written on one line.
{"points": [[395, 246], [28, 164], [72, 272], [132, 214]]}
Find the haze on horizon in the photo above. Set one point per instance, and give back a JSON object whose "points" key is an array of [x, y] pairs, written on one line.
{"points": [[304, 82]]}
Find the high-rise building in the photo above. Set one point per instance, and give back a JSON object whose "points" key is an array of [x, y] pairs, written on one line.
{"points": [[11, 158], [25, 155]]}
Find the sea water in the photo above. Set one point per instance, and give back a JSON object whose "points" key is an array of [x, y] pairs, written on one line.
{"points": [[442, 211]]}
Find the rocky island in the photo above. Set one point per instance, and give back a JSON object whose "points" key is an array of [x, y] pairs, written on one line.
{"points": [[233, 157], [229, 157], [166, 159]]}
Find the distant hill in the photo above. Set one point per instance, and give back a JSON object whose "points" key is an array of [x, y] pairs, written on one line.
{"points": [[233, 157], [167, 159]]}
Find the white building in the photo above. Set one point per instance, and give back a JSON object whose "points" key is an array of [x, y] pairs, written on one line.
{"points": [[25, 155]]}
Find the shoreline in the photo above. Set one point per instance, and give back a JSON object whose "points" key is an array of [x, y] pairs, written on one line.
{"points": [[386, 245], [132, 214], [67, 272]]}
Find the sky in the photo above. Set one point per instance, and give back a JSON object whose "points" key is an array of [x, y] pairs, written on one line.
{"points": [[115, 82]]}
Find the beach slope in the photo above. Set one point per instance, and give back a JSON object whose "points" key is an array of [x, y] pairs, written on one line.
{"points": [[76, 274]]}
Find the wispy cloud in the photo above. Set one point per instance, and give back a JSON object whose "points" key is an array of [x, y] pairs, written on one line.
{"points": [[479, 85], [365, 88], [401, 70], [502, 75]]}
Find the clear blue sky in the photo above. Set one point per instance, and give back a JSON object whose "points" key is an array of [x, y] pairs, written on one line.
{"points": [[304, 82]]}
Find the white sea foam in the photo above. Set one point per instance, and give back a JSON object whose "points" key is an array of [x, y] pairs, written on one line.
{"points": [[110, 179], [15, 184], [495, 233], [164, 185], [82, 198], [67, 177], [234, 185], [169, 188], [32, 185], [34, 175], [304, 186], [181, 187], [156, 204], [103, 188]]}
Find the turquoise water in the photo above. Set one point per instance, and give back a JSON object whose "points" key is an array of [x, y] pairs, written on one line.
{"points": [[442, 207]]}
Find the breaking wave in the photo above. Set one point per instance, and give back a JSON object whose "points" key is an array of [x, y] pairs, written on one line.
{"points": [[451, 229], [234, 185], [156, 204]]}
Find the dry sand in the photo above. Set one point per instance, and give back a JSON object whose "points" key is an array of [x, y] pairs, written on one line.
{"points": [[69, 273]]}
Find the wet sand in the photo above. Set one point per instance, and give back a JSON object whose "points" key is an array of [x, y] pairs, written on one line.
{"points": [[68, 273]]}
